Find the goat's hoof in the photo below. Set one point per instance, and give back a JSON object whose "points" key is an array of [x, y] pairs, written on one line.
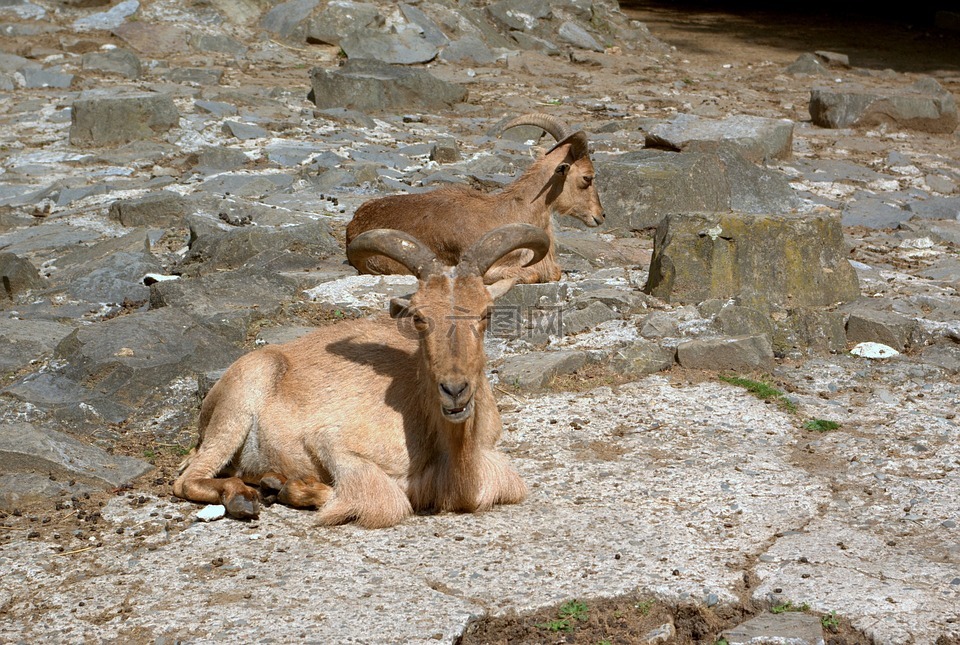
{"points": [[272, 483], [242, 508]]}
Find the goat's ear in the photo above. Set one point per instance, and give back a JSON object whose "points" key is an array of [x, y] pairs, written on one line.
{"points": [[400, 307], [562, 169], [500, 287]]}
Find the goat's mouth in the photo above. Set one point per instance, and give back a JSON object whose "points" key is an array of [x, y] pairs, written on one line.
{"points": [[594, 220], [458, 414]]}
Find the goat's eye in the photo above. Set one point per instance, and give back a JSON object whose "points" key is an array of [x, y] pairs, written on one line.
{"points": [[587, 180]]}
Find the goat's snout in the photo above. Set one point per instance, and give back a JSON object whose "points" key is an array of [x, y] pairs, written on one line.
{"points": [[454, 388], [456, 399]]}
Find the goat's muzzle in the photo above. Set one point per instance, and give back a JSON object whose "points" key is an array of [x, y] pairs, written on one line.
{"points": [[456, 400]]}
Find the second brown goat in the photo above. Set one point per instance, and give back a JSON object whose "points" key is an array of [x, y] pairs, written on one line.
{"points": [[451, 219]]}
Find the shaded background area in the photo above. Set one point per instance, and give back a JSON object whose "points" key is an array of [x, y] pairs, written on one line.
{"points": [[904, 38]]}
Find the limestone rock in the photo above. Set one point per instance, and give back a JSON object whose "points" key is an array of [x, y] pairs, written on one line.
{"points": [[764, 261], [373, 86], [758, 139], [925, 106], [639, 188], [101, 117]]}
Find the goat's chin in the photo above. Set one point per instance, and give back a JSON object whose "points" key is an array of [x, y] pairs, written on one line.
{"points": [[458, 415]]}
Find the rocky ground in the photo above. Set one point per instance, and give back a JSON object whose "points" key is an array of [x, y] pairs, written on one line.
{"points": [[175, 179]]}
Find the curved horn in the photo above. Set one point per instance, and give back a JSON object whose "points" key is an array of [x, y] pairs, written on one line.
{"points": [[500, 241], [546, 122], [396, 245]]}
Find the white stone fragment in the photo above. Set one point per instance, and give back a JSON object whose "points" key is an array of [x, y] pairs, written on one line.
{"points": [[873, 350], [211, 512]]}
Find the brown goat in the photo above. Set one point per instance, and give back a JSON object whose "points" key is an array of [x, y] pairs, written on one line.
{"points": [[449, 220], [370, 420]]}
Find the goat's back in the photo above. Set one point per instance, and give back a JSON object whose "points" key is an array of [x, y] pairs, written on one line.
{"points": [[448, 219]]}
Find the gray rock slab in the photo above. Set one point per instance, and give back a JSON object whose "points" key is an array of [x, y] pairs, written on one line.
{"points": [[404, 47], [640, 357], [216, 301], [244, 131], [23, 341], [102, 117], [575, 321], [786, 627], [81, 408], [107, 20], [18, 275], [288, 19], [283, 248], [638, 189], [810, 329], [115, 61], [247, 185], [156, 39], [758, 139], [20, 489], [739, 353], [339, 19], [520, 15], [536, 370], [873, 211], [34, 78], [866, 324], [131, 358], [158, 209], [216, 159], [765, 261], [575, 34], [946, 208], [217, 43], [28, 448], [468, 50], [373, 86], [925, 106], [430, 30], [110, 271], [52, 236]]}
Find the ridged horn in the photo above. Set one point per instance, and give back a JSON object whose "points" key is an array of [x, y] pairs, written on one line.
{"points": [[546, 122], [497, 243], [396, 245]]}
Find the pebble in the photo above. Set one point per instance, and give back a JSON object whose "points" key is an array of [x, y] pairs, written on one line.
{"points": [[211, 513]]}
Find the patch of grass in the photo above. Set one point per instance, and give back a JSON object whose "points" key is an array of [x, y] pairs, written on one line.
{"points": [[830, 622], [644, 606], [721, 641], [150, 455], [570, 614], [761, 390], [788, 606], [821, 425]]}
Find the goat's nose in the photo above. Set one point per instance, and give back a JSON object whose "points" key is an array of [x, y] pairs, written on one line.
{"points": [[453, 389]]}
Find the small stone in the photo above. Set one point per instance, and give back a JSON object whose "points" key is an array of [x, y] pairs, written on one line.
{"points": [[873, 350], [948, 524], [211, 512]]}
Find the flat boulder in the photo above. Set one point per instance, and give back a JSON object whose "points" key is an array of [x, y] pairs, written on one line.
{"points": [[374, 86], [103, 118], [639, 188], [924, 106], [27, 449], [758, 139], [764, 261]]}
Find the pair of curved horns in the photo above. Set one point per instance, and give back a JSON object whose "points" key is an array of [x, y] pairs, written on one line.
{"points": [[555, 128], [422, 262]]}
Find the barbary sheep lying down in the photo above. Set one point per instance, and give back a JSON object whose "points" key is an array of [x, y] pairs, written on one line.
{"points": [[369, 420], [451, 219]]}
